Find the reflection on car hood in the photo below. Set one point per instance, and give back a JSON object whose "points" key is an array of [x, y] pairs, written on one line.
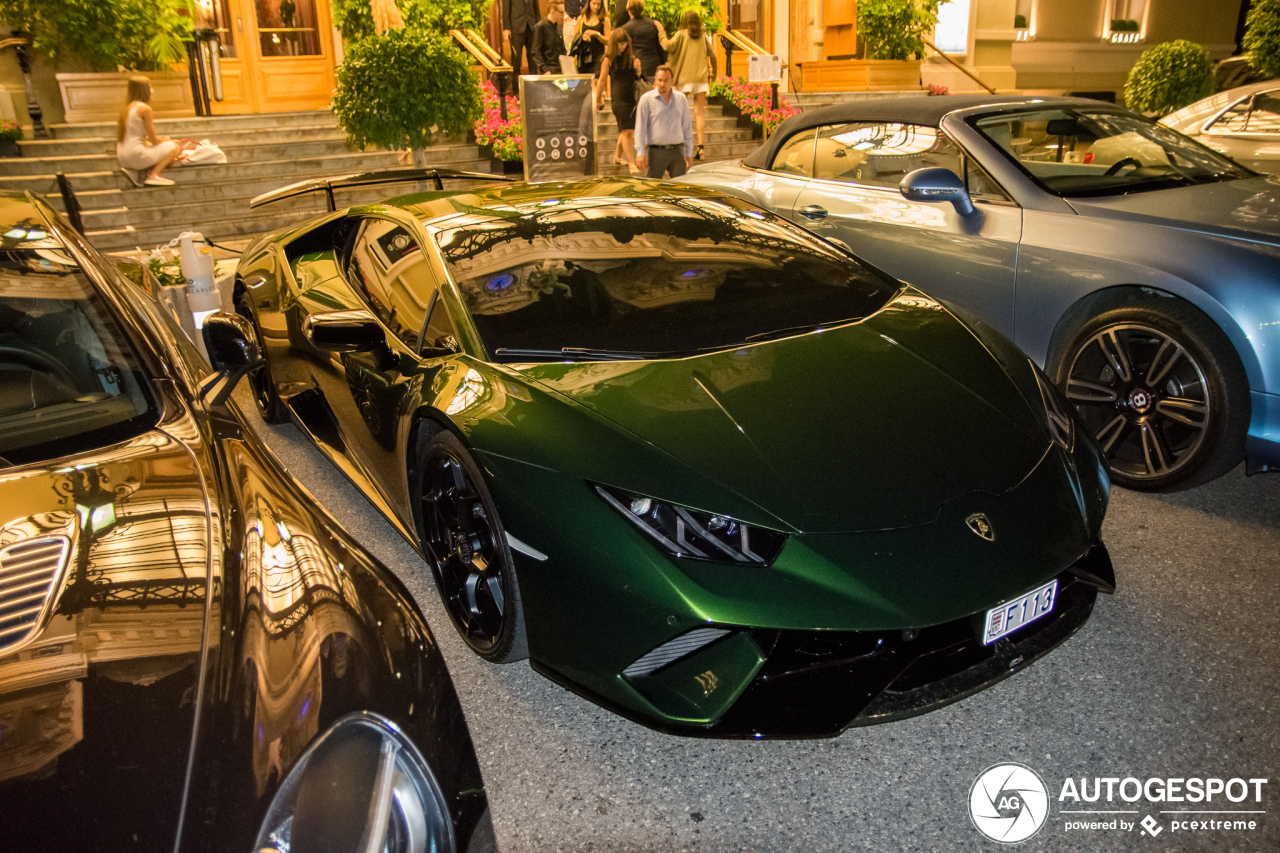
{"points": [[97, 695], [1247, 209], [868, 426]]}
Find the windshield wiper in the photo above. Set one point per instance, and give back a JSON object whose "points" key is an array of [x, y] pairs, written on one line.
{"points": [[575, 354]]}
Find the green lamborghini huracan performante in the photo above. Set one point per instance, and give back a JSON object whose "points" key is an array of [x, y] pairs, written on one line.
{"points": [[695, 463]]}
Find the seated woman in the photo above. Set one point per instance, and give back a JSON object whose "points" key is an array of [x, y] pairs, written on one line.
{"points": [[142, 154]]}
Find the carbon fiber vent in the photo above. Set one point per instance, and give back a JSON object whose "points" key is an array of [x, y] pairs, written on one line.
{"points": [[28, 572], [673, 650]]}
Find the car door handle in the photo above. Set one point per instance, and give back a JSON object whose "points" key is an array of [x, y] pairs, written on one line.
{"points": [[813, 211]]}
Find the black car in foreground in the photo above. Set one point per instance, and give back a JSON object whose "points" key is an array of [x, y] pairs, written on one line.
{"points": [[193, 656]]}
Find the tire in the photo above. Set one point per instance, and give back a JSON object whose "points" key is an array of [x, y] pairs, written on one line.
{"points": [[270, 406], [1163, 391], [463, 539]]}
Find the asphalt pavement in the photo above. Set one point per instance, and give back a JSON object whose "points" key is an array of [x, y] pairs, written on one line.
{"points": [[1176, 677]]}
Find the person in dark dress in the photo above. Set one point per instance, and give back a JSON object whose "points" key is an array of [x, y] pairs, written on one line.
{"points": [[646, 39], [548, 40], [591, 37], [622, 69], [519, 17]]}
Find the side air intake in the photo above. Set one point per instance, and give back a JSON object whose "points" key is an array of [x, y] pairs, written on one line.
{"points": [[673, 650]]}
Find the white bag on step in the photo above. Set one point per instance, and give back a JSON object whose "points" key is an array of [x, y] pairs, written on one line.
{"points": [[205, 153]]}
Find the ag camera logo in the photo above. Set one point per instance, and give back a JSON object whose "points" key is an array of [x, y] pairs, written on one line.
{"points": [[1008, 803]]}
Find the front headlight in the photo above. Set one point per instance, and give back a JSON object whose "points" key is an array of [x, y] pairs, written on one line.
{"points": [[1056, 411], [684, 532], [362, 785]]}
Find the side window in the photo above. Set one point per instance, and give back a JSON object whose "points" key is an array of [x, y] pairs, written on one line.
{"points": [[881, 153], [388, 269], [1259, 114], [982, 186], [795, 157], [440, 333]]}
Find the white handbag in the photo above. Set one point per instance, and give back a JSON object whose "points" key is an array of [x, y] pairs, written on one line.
{"points": [[204, 153]]}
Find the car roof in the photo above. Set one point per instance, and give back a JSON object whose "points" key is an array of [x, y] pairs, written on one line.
{"points": [[17, 208], [927, 110], [1188, 117]]}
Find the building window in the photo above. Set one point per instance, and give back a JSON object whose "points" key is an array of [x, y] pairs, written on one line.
{"points": [[951, 35], [1125, 21], [1024, 20]]}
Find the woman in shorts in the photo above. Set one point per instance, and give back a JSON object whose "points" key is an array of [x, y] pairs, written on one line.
{"points": [[690, 54]]}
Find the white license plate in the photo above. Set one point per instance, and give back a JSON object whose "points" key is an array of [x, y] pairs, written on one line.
{"points": [[1012, 615]]}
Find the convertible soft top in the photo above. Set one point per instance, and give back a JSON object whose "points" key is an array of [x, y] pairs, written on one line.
{"points": [[916, 109]]}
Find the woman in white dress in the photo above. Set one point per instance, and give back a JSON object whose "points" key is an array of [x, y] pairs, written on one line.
{"points": [[141, 153]]}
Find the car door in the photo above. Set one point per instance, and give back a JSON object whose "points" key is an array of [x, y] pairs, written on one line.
{"points": [[1249, 131], [397, 282], [853, 196]]}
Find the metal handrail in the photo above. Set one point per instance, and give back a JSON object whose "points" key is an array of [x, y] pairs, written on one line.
{"points": [[22, 46], [473, 43], [963, 70], [741, 42]]}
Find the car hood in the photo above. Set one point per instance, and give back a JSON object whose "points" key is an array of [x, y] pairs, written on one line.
{"points": [[1247, 209], [97, 692], [868, 426]]}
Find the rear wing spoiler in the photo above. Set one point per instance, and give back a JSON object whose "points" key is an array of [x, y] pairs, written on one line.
{"points": [[368, 179]]}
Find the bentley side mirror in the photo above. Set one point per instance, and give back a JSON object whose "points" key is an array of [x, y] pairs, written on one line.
{"points": [[937, 185], [344, 331], [233, 351]]}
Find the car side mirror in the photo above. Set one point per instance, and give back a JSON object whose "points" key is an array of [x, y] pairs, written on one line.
{"points": [[233, 351], [344, 331], [937, 185], [440, 347]]}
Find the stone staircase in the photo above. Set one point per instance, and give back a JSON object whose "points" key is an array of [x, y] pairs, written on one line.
{"points": [[263, 152]]}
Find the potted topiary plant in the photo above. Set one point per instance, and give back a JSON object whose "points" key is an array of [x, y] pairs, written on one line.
{"points": [[90, 42], [893, 33], [1168, 77], [397, 89], [1262, 37], [10, 133]]}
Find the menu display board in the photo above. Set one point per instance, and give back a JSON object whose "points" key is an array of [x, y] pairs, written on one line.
{"points": [[559, 127]]}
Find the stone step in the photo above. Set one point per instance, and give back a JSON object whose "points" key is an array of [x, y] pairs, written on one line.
{"points": [[47, 185], [245, 136], [242, 156], [90, 200], [150, 226], [224, 202], [189, 127]]}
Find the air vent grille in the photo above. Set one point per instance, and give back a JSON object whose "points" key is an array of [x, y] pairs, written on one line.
{"points": [[28, 572], [673, 650]]}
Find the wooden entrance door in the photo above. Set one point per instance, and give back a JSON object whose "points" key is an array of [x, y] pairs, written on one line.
{"points": [[277, 55]]}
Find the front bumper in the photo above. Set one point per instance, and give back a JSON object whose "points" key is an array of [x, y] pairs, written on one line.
{"points": [[809, 684]]}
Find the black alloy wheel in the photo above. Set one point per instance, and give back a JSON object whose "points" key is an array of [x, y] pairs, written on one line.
{"points": [[1163, 392], [465, 542], [270, 406]]}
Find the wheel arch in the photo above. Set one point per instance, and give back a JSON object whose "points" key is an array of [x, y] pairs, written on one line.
{"points": [[425, 422], [1128, 295]]}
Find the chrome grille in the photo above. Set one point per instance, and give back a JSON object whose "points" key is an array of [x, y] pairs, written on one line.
{"points": [[673, 650], [28, 572]]}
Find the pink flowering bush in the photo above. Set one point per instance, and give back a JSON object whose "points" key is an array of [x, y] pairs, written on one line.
{"points": [[935, 89], [506, 138], [755, 100], [10, 131]]}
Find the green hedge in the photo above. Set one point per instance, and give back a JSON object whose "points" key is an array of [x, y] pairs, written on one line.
{"points": [[1168, 77], [1262, 37]]}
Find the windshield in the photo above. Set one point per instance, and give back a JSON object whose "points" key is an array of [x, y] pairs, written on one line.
{"points": [[613, 279], [1085, 152], [69, 380]]}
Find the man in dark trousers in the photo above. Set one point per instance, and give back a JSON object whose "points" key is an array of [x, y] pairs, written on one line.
{"points": [[664, 129], [548, 41], [519, 17], [646, 39]]}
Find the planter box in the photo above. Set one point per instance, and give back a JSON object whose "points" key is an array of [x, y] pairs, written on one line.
{"points": [[94, 97], [860, 75]]}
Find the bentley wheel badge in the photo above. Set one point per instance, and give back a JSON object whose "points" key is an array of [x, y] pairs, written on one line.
{"points": [[981, 525]]}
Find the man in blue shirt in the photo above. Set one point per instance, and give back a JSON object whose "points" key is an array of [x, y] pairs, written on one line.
{"points": [[664, 128]]}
